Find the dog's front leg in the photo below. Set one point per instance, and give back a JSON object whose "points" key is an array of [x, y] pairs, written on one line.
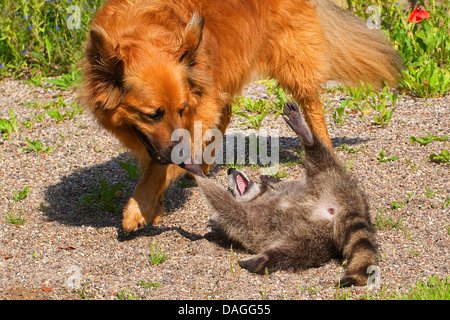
{"points": [[140, 209], [146, 203]]}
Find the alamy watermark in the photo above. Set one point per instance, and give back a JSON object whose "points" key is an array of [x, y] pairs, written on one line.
{"points": [[374, 279], [239, 149], [73, 281], [374, 21], [74, 18]]}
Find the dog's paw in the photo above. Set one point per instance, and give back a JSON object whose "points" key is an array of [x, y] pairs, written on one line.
{"points": [[131, 224], [132, 217]]}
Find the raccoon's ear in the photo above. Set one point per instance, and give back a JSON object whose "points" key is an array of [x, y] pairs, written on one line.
{"points": [[104, 70], [192, 37]]}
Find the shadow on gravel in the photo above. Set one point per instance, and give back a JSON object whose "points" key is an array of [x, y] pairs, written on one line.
{"points": [[290, 150], [339, 141], [95, 196]]}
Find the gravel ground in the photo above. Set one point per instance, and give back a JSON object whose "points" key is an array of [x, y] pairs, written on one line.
{"points": [[68, 242]]}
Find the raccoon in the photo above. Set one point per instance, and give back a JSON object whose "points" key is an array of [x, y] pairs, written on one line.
{"points": [[297, 224]]}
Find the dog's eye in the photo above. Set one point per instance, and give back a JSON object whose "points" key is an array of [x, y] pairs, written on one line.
{"points": [[157, 115]]}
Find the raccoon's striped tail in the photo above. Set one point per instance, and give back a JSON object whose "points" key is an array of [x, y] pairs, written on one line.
{"points": [[355, 238]]}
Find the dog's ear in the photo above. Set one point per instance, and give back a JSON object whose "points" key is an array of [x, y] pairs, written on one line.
{"points": [[106, 70], [192, 37]]}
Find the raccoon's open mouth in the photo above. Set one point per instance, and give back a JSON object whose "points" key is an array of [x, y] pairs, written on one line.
{"points": [[241, 182], [151, 149]]}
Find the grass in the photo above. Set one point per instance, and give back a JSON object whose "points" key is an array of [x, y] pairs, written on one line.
{"points": [[134, 170], [43, 38], [82, 291], [127, 295], [103, 196], [252, 121], [253, 112], [442, 157], [275, 171], [9, 126], [424, 46], [400, 204], [382, 157], [345, 147], [340, 114], [150, 284], [12, 217], [156, 256], [35, 146], [363, 99], [384, 104], [433, 289], [57, 109], [428, 138], [383, 222]]}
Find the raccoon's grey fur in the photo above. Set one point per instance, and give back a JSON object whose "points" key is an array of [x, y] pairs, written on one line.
{"points": [[297, 224]]}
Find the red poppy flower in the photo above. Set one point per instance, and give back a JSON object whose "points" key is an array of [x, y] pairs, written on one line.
{"points": [[418, 14]]}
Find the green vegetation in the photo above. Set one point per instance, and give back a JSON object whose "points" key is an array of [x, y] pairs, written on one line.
{"points": [[7, 127], [382, 157], [424, 46], [12, 217], [41, 42], [35, 146], [103, 196], [428, 138], [43, 38], [156, 256], [433, 289], [442, 157], [134, 170]]}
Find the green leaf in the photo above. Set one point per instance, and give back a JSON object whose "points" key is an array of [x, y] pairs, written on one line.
{"points": [[443, 157], [21, 195]]}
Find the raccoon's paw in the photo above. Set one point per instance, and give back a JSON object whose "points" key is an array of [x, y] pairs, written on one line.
{"points": [[213, 219], [352, 280], [256, 264], [295, 120], [293, 117]]}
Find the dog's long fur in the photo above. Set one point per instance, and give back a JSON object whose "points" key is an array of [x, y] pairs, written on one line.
{"points": [[153, 66]]}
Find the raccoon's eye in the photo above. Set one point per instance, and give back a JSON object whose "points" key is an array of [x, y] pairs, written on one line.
{"points": [[157, 115], [183, 109]]}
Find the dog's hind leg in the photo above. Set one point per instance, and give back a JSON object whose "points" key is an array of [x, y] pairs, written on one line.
{"points": [[295, 55], [311, 104]]}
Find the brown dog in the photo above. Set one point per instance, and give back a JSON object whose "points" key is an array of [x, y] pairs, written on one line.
{"points": [[153, 66]]}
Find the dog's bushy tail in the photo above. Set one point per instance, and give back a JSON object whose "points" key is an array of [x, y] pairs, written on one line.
{"points": [[356, 52]]}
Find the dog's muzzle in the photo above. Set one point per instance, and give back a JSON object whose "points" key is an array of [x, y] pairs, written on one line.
{"points": [[157, 156]]}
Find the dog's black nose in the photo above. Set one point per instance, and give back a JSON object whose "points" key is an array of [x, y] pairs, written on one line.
{"points": [[230, 171]]}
